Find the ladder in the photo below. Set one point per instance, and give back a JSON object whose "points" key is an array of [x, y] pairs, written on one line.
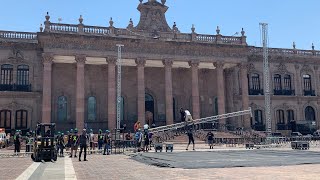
{"points": [[202, 120]]}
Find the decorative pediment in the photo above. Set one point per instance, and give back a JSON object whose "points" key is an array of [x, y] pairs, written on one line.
{"points": [[306, 68], [282, 68], [16, 54], [152, 17]]}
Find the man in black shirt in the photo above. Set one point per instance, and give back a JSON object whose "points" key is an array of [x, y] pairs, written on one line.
{"points": [[17, 141], [83, 139]]}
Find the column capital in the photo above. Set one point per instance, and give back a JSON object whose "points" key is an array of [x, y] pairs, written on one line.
{"points": [[140, 61], [167, 62], [218, 65], [243, 65], [194, 63], [81, 59], [47, 58], [111, 60]]}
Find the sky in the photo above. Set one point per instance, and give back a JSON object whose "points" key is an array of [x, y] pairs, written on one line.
{"points": [[289, 20]]}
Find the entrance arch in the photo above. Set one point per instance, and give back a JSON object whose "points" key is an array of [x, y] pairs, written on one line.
{"points": [[149, 108]]}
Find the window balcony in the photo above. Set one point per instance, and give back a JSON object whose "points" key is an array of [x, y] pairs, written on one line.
{"points": [[255, 91], [281, 126], [283, 92], [15, 87], [309, 93]]}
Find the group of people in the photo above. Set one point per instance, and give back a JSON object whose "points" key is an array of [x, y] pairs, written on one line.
{"points": [[143, 138], [86, 141]]}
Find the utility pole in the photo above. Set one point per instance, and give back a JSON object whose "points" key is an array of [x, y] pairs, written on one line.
{"points": [[266, 75], [119, 86]]}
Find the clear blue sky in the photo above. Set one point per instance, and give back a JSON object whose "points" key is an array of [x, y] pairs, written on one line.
{"points": [[289, 20]]}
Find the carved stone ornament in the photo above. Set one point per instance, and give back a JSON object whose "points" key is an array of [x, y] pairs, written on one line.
{"points": [[251, 68], [111, 60], [306, 68], [140, 61], [218, 65], [297, 66], [194, 63], [152, 17], [47, 58], [81, 59], [167, 62], [282, 68], [15, 53]]}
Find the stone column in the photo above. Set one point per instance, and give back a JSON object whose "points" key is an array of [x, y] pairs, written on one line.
{"points": [[168, 90], [112, 102], [316, 81], [46, 87], [195, 89], [297, 81], [141, 89], [245, 95], [221, 91], [80, 59]]}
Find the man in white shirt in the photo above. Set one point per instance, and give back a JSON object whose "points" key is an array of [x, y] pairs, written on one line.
{"points": [[188, 116]]}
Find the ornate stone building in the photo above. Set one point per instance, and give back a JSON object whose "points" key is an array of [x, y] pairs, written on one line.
{"points": [[66, 73]]}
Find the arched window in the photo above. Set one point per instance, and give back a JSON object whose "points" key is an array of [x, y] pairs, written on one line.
{"points": [[21, 119], [6, 74], [254, 84], [307, 85], [290, 115], [277, 82], [258, 117], [62, 108], [5, 119], [23, 75], [287, 82], [92, 108], [280, 116], [310, 114], [255, 79], [149, 108]]}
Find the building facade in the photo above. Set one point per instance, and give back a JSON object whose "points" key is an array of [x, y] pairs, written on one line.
{"points": [[66, 74]]}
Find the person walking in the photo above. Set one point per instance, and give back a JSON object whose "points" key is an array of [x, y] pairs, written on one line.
{"points": [[191, 139], [210, 139], [83, 140], [61, 144]]}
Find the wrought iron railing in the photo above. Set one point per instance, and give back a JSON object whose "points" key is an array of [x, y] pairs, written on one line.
{"points": [[284, 92], [15, 87], [256, 92]]}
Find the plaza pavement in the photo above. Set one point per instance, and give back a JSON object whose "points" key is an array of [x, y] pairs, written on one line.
{"points": [[124, 167]]}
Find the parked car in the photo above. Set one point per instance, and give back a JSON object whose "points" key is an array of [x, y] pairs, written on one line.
{"points": [[296, 134], [316, 133]]}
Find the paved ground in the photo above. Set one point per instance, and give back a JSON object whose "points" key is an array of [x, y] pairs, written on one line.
{"points": [[228, 159], [124, 167]]}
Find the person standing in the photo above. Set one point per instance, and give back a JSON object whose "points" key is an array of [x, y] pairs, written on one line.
{"points": [[210, 139], [61, 144], [190, 137], [74, 143], [91, 141], [17, 141], [100, 140], [83, 139], [107, 141], [136, 126], [138, 139]]}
